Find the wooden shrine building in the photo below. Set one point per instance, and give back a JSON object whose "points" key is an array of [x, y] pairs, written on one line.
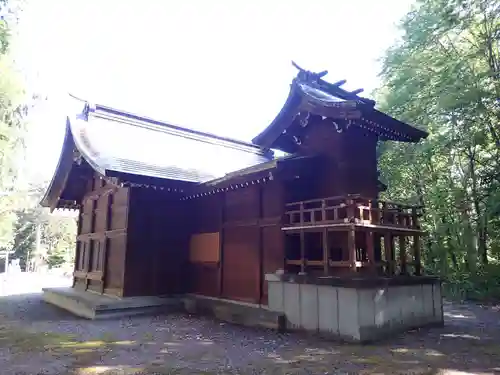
{"points": [[166, 210]]}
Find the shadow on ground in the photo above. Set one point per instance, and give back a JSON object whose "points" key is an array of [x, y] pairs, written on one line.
{"points": [[34, 336]]}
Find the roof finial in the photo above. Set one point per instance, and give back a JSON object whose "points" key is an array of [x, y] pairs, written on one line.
{"points": [[306, 75]]}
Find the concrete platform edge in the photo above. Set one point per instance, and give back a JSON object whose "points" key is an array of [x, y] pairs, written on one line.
{"points": [[81, 304]]}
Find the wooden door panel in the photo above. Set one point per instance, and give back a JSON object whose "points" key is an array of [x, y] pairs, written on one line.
{"points": [[115, 263], [101, 213], [119, 217]]}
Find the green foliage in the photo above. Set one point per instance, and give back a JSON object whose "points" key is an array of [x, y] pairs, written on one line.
{"points": [[24, 227], [444, 76], [25, 235], [56, 242], [12, 128], [58, 236]]}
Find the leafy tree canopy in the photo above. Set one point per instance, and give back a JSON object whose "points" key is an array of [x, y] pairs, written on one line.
{"points": [[444, 76]]}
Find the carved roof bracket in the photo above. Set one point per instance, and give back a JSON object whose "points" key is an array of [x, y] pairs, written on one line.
{"points": [[77, 156]]}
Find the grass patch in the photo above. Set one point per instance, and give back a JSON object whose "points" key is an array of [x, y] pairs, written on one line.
{"points": [[19, 339]]}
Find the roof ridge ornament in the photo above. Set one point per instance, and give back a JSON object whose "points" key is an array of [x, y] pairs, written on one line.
{"points": [[335, 89], [308, 76]]}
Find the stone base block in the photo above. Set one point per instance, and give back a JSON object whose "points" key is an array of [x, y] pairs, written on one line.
{"points": [[91, 305], [234, 312], [356, 310]]}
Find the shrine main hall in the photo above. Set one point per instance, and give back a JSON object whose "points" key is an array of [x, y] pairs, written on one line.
{"points": [[173, 219]]}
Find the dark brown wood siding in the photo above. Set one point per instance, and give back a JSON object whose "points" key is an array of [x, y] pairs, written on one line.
{"points": [[349, 163], [205, 217], [157, 248], [251, 241]]}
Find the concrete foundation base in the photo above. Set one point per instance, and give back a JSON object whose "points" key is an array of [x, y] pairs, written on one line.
{"points": [[91, 305], [356, 310], [235, 312]]}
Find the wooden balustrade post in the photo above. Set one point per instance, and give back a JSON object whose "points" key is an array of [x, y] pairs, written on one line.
{"points": [[384, 213], [376, 214], [351, 211], [414, 218]]}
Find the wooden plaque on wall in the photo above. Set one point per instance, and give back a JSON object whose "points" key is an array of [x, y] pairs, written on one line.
{"points": [[204, 248]]}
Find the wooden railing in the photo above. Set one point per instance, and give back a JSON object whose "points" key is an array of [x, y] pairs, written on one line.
{"points": [[351, 209]]}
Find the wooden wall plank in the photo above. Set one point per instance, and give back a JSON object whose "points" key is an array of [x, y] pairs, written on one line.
{"points": [[241, 261]]}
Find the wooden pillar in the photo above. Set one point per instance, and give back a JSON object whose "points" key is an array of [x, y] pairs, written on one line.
{"points": [[302, 241], [78, 246], [351, 247], [302, 252], [402, 254], [370, 251], [351, 234], [326, 258], [105, 240], [388, 248], [416, 242], [222, 219], [260, 195], [416, 254]]}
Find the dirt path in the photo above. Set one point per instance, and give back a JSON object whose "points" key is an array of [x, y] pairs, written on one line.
{"points": [[36, 338]]}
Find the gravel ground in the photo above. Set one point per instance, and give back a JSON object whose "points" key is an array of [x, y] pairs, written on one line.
{"points": [[36, 338]]}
